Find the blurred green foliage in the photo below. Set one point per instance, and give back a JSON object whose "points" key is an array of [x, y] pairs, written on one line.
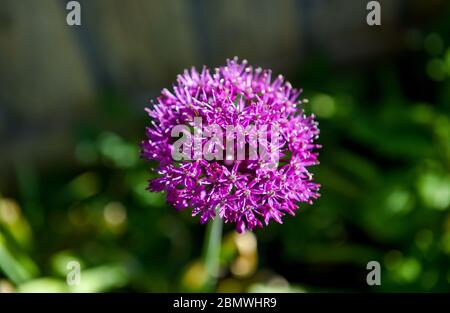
{"points": [[385, 175]]}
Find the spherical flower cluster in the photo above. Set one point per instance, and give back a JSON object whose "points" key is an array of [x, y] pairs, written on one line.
{"points": [[246, 192]]}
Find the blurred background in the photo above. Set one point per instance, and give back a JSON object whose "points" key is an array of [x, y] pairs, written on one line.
{"points": [[72, 186]]}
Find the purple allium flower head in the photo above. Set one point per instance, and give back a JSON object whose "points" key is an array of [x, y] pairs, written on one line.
{"points": [[249, 192]]}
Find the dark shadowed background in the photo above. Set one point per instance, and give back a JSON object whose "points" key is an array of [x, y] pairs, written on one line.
{"points": [[72, 186]]}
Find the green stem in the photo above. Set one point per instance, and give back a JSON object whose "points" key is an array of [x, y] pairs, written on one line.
{"points": [[212, 252]]}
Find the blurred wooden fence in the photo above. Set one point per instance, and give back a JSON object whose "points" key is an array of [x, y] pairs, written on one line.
{"points": [[51, 72]]}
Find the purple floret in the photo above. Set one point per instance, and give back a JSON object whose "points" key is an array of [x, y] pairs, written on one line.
{"points": [[248, 193]]}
